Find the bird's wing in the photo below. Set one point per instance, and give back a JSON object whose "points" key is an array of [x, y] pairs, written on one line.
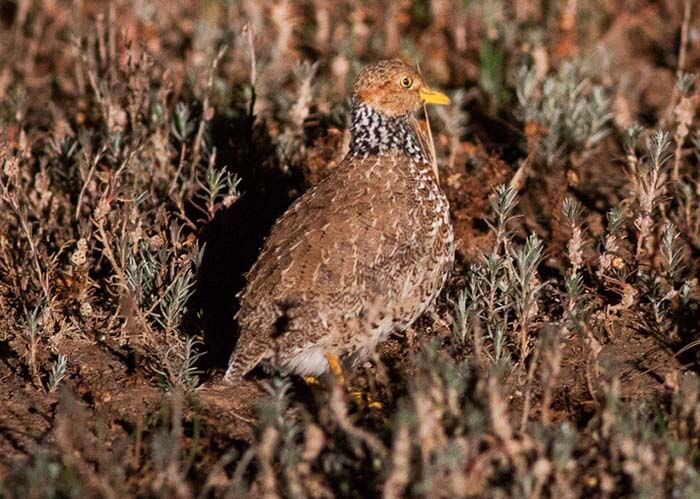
{"points": [[336, 235]]}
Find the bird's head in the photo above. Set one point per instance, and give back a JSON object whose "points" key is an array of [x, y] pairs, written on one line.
{"points": [[394, 89]]}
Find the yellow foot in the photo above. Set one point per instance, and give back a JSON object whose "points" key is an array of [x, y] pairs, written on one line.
{"points": [[311, 380], [365, 400]]}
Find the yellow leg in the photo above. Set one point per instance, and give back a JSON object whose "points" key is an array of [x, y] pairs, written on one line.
{"points": [[336, 369], [311, 380], [361, 399]]}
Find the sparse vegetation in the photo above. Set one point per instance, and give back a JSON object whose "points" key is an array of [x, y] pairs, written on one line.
{"points": [[146, 148]]}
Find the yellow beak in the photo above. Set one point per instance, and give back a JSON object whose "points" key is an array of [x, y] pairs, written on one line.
{"points": [[432, 97]]}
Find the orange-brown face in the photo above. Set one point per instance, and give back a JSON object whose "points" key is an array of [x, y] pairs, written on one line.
{"points": [[394, 89]]}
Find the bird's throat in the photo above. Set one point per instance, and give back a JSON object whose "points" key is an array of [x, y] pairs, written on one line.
{"points": [[374, 133]]}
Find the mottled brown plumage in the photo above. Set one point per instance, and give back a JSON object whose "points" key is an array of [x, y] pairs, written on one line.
{"points": [[362, 253]]}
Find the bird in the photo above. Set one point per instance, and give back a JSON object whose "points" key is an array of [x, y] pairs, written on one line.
{"points": [[359, 255]]}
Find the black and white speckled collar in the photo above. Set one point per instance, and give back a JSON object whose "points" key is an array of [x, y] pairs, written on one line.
{"points": [[374, 133]]}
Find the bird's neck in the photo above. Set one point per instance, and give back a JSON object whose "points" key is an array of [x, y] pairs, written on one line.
{"points": [[374, 133]]}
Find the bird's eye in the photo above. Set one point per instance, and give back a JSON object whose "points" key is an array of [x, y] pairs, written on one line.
{"points": [[406, 82]]}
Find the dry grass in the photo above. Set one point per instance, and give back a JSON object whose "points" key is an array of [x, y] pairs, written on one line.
{"points": [[146, 148]]}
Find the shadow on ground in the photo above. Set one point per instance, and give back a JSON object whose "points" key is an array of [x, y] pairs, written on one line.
{"points": [[232, 240]]}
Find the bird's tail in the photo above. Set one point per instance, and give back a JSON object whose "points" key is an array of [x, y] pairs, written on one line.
{"points": [[256, 342], [242, 361], [235, 372]]}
